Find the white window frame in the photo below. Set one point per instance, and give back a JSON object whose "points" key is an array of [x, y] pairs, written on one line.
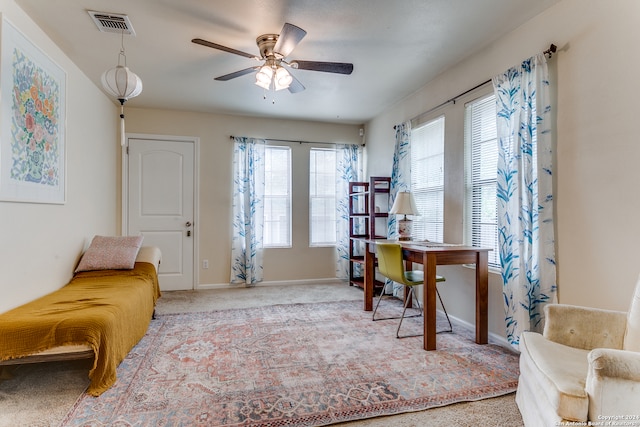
{"points": [[331, 222], [427, 179], [283, 223], [481, 156]]}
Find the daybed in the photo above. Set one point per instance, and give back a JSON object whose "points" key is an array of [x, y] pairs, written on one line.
{"points": [[99, 313]]}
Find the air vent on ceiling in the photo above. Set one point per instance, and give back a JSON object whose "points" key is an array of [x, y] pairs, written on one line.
{"points": [[112, 22]]}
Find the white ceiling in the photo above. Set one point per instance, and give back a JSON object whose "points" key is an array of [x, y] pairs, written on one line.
{"points": [[396, 47]]}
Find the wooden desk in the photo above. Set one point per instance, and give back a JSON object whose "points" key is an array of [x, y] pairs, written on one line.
{"points": [[429, 257]]}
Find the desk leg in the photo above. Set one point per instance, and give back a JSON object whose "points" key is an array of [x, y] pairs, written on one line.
{"points": [[429, 300], [482, 297], [369, 273]]}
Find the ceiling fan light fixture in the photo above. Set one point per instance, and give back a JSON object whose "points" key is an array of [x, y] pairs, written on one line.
{"points": [[283, 79], [264, 85], [264, 76]]}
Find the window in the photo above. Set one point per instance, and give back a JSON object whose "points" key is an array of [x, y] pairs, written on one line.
{"points": [[322, 197], [427, 180], [277, 197], [481, 148]]}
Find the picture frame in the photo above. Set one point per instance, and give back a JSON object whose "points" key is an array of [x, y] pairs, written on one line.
{"points": [[32, 122]]}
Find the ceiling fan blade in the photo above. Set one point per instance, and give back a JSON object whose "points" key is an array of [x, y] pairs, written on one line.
{"points": [[236, 74], [296, 86], [288, 39], [223, 48], [327, 67]]}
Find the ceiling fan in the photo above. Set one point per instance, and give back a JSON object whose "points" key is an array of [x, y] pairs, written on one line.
{"points": [[274, 49]]}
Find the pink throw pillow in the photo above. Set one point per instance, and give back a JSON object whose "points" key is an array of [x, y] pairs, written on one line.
{"points": [[111, 253]]}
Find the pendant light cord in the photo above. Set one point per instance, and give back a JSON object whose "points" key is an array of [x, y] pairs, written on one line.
{"points": [[122, 54]]}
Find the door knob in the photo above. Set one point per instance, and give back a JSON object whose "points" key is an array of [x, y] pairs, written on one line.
{"points": [[188, 224]]}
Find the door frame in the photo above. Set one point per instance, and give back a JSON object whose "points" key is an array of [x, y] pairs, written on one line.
{"points": [[124, 215]]}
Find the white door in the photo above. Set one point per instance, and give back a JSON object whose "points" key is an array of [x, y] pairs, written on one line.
{"points": [[161, 205]]}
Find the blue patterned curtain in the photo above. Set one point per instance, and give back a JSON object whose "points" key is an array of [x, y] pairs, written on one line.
{"points": [[349, 163], [525, 195], [248, 211], [400, 181]]}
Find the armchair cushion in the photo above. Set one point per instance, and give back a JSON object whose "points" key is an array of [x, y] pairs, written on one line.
{"points": [[584, 327], [556, 371]]}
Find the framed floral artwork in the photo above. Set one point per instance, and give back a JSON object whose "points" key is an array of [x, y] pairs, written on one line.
{"points": [[32, 122]]}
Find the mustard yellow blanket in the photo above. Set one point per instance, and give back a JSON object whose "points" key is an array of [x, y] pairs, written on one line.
{"points": [[109, 310]]}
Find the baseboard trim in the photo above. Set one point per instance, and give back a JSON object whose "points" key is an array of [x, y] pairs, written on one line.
{"points": [[493, 337], [326, 281]]}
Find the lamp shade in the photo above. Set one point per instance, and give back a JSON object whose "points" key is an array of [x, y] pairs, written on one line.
{"points": [[122, 83], [404, 204], [263, 77], [282, 79]]}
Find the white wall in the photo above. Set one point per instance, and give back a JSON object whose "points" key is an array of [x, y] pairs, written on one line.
{"points": [[597, 151], [300, 262], [41, 243]]}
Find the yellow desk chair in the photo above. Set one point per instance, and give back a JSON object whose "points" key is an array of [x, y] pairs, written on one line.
{"points": [[391, 265]]}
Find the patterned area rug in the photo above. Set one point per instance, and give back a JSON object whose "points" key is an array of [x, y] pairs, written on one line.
{"points": [[292, 365]]}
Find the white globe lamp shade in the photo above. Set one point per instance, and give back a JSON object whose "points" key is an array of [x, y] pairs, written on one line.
{"points": [[122, 83]]}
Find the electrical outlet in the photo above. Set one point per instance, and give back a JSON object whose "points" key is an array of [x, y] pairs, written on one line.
{"points": [[205, 264]]}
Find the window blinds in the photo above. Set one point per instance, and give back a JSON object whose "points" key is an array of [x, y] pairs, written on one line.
{"points": [[481, 146], [277, 197], [427, 180], [322, 197]]}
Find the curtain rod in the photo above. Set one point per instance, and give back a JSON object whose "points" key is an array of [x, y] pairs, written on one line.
{"points": [[552, 49], [300, 141]]}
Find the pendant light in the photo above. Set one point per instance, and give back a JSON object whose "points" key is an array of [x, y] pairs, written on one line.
{"points": [[123, 84]]}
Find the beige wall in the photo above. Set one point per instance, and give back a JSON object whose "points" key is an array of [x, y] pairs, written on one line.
{"points": [[40, 243], [597, 150], [297, 263]]}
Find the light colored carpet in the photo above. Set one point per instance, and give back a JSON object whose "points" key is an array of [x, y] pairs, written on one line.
{"points": [[41, 395]]}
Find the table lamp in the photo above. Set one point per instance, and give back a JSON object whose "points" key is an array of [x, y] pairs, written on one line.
{"points": [[404, 204]]}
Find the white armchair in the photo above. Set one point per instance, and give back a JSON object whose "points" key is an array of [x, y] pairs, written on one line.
{"points": [[584, 367]]}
